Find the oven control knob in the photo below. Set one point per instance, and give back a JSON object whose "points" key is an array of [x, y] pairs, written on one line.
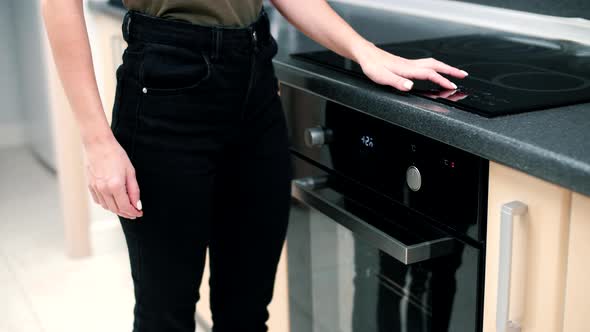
{"points": [[317, 136], [413, 178]]}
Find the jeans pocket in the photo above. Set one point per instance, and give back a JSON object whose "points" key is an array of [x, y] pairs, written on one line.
{"points": [[170, 70]]}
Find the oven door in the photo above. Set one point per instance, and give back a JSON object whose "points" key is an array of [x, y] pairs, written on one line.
{"points": [[359, 265]]}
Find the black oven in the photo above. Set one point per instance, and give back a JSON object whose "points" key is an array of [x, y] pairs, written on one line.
{"points": [[387, 226]]}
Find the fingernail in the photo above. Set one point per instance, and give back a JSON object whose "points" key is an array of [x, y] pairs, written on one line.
{"points": [[138, 204], [408, 84], [464, 72], [454, 85]]}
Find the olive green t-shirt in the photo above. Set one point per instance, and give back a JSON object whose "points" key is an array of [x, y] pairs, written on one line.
{"points": [[234, 13]]}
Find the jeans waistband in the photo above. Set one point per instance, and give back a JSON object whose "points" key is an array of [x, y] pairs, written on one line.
{"points": [[214, 39]]}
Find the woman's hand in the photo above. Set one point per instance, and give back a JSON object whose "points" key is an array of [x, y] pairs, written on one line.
{"points": [[385, 68], [320, 22], [111, 179]]}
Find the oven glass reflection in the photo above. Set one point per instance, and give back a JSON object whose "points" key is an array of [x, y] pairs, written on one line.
{"points": [[340, 283]]}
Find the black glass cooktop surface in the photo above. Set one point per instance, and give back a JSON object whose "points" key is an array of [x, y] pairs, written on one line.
{"points": [[507, 74]]}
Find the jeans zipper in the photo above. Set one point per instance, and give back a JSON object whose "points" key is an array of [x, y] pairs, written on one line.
{"points": [[252, 71], [254, 40]]}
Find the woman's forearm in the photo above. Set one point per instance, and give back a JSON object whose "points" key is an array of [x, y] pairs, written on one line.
{"points": [[320, 22], [66, 30]]}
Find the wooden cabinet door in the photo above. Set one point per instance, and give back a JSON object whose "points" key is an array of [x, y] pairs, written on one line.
{"points": [[538, 253], [577, 288]]}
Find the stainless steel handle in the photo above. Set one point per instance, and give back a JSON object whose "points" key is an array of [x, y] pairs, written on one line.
{"points": [[509, 211], [306, 191]]}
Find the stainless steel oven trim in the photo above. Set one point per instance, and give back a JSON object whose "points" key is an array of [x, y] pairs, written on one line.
{"points": [[305, 190]]}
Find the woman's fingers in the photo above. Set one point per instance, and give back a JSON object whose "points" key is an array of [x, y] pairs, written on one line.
{"points": [[101, 200], [124, 206], [110, 201], [105, 190], [117, 199], [441, 67], [98, 198], [378, 73], [93, 194], [113, 198], [427, 74], [397, 81], [133, 190]]}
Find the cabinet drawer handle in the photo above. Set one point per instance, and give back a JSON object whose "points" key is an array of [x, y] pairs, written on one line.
{"points": [[509, 211]]}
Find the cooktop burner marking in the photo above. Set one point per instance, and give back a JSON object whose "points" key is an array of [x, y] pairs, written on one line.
{"points": [[523, 77], [580, 63], [500, 47], [541, 82]]}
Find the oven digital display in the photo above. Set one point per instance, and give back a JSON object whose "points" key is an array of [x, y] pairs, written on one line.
{"points": [[368, 141]]}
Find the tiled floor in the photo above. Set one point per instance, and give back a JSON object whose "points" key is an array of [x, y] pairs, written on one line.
{"points": [[41, 290]]}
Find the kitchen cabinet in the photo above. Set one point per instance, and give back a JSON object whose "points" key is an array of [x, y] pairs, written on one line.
{"points": [[538, 252], [577, 287]]}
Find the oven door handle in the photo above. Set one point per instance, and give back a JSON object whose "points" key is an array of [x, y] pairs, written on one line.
{"points": [[306, 191]]}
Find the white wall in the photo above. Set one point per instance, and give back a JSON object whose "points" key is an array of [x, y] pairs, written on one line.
{"points": [[11, 117], [32, 61]]}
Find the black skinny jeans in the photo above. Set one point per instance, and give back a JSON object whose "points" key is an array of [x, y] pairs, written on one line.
{"points": [[197, 111]]}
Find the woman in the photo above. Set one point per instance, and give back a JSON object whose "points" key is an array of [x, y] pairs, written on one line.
{"points": [[198, 126]]}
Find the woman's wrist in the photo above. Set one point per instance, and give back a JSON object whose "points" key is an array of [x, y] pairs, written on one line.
{"points": [[360, 48], [97, 136]]}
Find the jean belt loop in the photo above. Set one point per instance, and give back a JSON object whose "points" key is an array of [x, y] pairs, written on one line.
{"points": [[265, 17], [215, 42], [264, 26], [125, 26], [218, 42], [128, 27]]}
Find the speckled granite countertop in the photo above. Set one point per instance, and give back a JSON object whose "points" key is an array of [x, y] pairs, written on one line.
{"points": [[552, 144]]}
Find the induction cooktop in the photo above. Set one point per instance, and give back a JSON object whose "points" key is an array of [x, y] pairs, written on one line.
{"points": [[507, 74]]}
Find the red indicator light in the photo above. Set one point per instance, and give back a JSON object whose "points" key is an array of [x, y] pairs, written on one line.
{"points": [[452, 164]]}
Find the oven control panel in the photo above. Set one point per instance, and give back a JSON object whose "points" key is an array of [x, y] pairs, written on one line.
{"points": [[437, 180]]}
